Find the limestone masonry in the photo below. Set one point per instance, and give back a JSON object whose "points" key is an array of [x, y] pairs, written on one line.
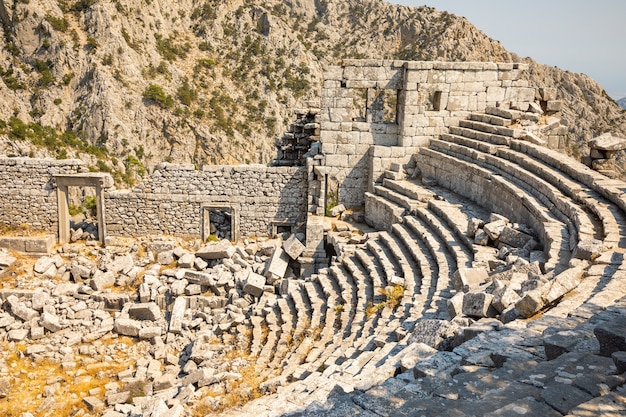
{"points": [[489, 278]]}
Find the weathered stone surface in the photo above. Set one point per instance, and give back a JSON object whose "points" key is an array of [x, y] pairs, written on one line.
{"points": [[50, 322], [254, 284], [503, 296], [476, 304], [337, 210], [564, 397], [494, 228], [588, 249], [612, 337], [102, 280], [481, 238], [277, 265], [145, 311], [619, 358], [514, 237], [293, 247], [127, 327], [434, 333], [197, 277], [473, 225], [94, 404], [177, 315], [216, 250], [19, 309], [607, 142], [530, 303], [186, 260], [464, 279]]}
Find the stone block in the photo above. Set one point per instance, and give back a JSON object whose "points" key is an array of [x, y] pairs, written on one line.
{"points": [[277, 265], [530, 303], [186, 260], [465, 279], [149, 332], [102, 280], [588, 249], [612, 337], [476, 304], [177, 315], [50, 322], [127, 327], [481, 238], [200, 278], [293, 247], [494, 228], [19, 309], [515, 238], [619, 359], [216, 250], [145, 311], [563, 397], [455, 305], [254, 284], [473, 226]]}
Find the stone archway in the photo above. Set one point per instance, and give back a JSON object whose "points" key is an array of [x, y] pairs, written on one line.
{"points": [[98, 181]]}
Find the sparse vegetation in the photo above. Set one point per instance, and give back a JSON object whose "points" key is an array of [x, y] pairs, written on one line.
{"points": [[155, 93]]}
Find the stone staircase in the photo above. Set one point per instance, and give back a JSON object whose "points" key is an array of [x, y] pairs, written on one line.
{"points": [[347, 345]]}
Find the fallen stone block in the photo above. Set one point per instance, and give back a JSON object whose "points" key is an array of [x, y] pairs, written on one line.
{"points": [[50, 322], [94, 404], [494, 229], [121, 263], [293, 247], [201, 278], [216, 250], [17, 335], [413, 354], [186, 260], [530, 303], [166, 257], [564, 397], [455, 305], [112, 301], [127, 327], [619, 359], [476, 304], [277, 265], [515, 238], [337, 210], [434, 333], [563, 283], [177, 315], [503, 296], [473, 226], [465, 279], [149, 332], [254, 284], [102, 280], [42, 264], [560, 343], [145, 311], [19, 309], [481, 238]]}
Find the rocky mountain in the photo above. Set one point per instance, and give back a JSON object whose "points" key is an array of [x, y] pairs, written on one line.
{"points": [[622, 102], [126, 84]]}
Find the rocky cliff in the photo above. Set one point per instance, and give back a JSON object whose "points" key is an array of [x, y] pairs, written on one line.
{"points": [[125, 84]]}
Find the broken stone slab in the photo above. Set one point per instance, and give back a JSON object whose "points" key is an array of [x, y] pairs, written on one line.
{"points": [[121, 263], [166, 257], [50, 322], [476, 304], [6, 260], [434, 333], [198, 277], [43, 264], [563, 283], [293, 247], [455, 305], [112, 301], [494, 228], [515, 238], [533, 138], [145, 311], [530, 303], [127, 327], [607, 142], [481, 238], [619, 359], [465, 279], [503, 296], [276, 265], [102, 280], [149, 332], [588, 249], [19, 309], [186, 260], [564, 397], [254, 284], [177, 315], [473, 225], [413, 354], [216, 250]]}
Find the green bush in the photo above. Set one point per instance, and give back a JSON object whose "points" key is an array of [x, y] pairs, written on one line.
{"points": [[155, 93], [58, 23], [186, 94]]}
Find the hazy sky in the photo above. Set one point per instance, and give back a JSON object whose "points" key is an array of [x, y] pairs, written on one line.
{"points": [[576, 35]]}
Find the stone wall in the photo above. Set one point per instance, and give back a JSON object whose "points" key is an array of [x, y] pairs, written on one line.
{"points": [[402, 105], [171, 201], [28, 191]]}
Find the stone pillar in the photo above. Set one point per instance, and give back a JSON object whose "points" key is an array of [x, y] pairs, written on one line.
{"points": [[64, 214]]}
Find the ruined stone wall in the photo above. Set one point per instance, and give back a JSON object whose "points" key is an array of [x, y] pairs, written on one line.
{"points": [[402, 105], [171, 201], [28, 192]]}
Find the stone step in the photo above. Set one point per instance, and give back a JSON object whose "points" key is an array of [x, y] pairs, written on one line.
{"points": [[386, 260], [564, 208], [479, 136], [475, 182], [374, 271], [490, 119], [409, 189], [488, 128], [349, 295], [462, 255], [470, 143], [504, 113], [397, 198], [381, 212], [455, 218]]}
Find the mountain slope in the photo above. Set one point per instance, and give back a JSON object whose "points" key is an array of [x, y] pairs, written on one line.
{"points": [[622, 102], [215, 81]]}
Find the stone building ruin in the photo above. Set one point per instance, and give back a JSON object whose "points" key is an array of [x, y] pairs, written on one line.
{"points": [[490, 254]]}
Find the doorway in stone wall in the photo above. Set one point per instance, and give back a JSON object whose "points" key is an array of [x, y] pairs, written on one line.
{"points": [[220, 222], [80, 206]]}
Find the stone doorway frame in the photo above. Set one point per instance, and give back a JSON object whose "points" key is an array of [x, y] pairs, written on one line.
{"points": [[205, 227], [98, 181]]}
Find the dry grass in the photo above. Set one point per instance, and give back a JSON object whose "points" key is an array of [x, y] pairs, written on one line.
{"points": [[29, 377], [393, 295], [23, 230]]}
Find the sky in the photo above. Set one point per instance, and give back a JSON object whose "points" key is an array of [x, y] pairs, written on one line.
{"points": [[576, 35]]}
